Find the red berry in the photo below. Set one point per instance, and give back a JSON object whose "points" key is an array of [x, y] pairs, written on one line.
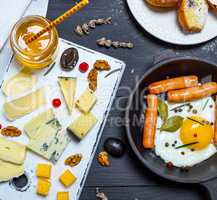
{"points": [[169, 165], [0, 126], [83, 67], [56, 103]]}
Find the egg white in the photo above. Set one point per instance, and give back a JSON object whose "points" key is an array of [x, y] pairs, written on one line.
{"points": [[190, 158]]}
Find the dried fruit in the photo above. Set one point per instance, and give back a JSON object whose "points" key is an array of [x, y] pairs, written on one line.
{"points": [[169, 165], [84, 28], [99, 65], [83, 67], [78, 30], [114, 147], [103, 159], [73, 160], [56, 103], [93, 85], [102, 65], [92, 76], [116, 44], [100, 195], [92, 79], [11, 131], [69, 59]]}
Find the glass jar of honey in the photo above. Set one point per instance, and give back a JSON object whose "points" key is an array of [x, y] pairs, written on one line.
{"points": [[41, 52]]}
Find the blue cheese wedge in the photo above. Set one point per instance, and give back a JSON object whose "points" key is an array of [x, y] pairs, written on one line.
{"points": [[33, 125], [19, 83], [49, 141], [9, 171], [68, 88], [24, 105], [12, 152], [82, 125], [86, 101]]}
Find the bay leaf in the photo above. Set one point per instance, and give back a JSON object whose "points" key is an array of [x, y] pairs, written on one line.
{"points": [[172, 124], [162, 109]]}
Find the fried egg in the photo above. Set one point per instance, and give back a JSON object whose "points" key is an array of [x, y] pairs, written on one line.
{"points": [[197, 131]]}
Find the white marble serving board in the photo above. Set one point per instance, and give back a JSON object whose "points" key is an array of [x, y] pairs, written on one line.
{"points": [[105, 93]]}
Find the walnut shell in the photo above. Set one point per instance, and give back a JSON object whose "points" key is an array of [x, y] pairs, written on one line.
{"points": [[11, 131]]}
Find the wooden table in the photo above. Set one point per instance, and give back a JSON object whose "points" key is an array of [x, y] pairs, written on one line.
{"points": [[126, 179]]}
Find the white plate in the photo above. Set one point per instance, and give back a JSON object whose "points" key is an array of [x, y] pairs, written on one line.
{"points": [[164, 26]]}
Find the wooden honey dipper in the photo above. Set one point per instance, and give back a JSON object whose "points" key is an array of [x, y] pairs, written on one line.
{"points": [[58, 20]]}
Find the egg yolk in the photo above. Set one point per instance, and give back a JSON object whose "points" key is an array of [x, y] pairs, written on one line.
{"points": [[196, 129]]}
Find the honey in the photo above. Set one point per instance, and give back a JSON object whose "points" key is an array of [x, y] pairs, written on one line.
{"points": [[41, 52]]}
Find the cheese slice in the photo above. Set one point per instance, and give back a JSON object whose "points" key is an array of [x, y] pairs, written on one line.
{"points": [[82, 125], [24, 105], [19, 83], [68, 88], [9, 171], [33, 125], [86, 101], [12, 152], [49, 141]]}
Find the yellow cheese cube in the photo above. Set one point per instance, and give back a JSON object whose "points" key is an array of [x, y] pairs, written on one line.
{"points": [[67, 178], [43, 187], [62, 195], [43, 170]]}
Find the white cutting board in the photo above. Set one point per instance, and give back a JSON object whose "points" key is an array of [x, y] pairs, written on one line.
{"points": [[105, 93], [162, 23]]}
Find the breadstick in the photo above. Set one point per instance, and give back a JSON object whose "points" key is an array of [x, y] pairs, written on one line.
{"points": [[193, 93], [173, 84], [150, 122]]}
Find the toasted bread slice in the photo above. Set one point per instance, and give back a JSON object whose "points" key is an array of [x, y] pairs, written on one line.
{"points": [[213, 4], [192, 14], [163, 3]]}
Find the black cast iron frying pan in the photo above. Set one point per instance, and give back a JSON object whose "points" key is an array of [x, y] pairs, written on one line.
{"points": [[204, 173]]}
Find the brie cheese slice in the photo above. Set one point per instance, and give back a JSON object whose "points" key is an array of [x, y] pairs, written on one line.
{"points": [[9, 171], [68, 88], [12, 152], [24, 105], [33, 125], [19, 83]]}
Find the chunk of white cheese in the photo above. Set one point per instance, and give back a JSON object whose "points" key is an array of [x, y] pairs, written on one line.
{"points": [[9, 171], [33, 125], [19, 83], [24, 105], [86, 101], [49, 141], [12, 151], [82, 125], [68, 88]]}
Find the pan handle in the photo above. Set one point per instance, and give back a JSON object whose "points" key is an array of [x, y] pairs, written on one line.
{"points": [[163, 55], [211, 188]]}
